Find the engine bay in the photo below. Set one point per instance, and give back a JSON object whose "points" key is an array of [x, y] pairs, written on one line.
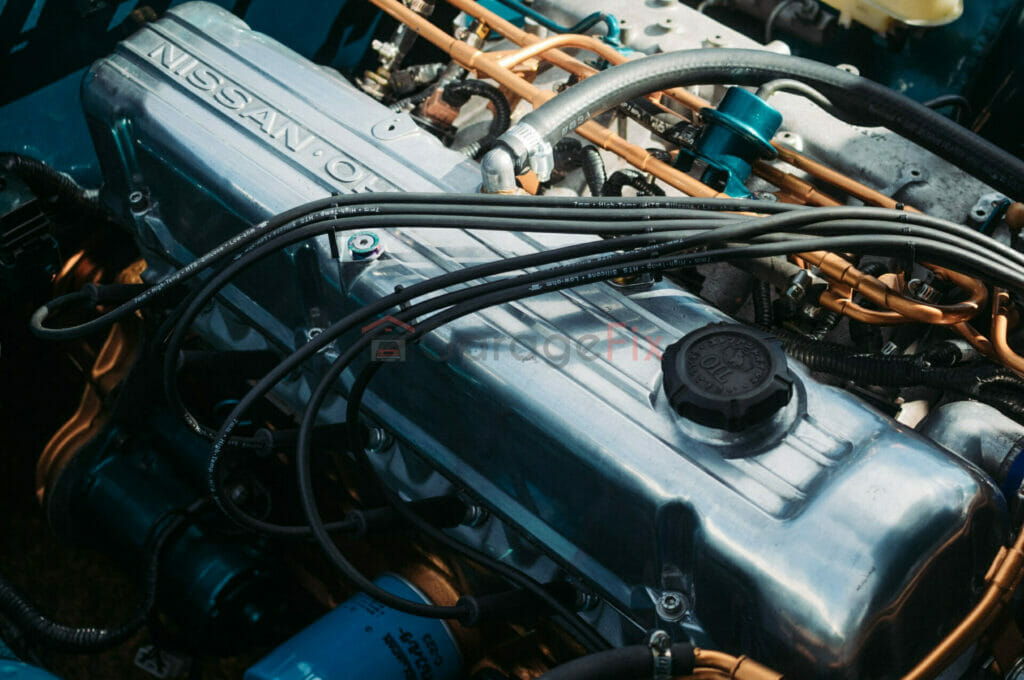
{"points": [[500, 340]]}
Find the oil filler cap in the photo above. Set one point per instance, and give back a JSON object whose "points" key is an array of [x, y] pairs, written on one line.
{"points": [[727, 376]]}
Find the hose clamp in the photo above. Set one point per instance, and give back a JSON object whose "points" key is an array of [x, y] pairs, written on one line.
{"points": [[660, 644], [530, 149]]}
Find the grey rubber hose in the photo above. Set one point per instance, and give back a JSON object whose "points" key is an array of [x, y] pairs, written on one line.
{"points": [[865, 99]]}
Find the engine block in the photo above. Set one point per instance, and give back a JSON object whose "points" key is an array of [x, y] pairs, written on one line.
{"points": [[821, 541]]}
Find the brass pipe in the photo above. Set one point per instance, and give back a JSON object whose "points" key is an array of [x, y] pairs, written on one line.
{"points": [[839, 180], [498, 69], [976, 339], [681, 95], [476, 60], [1000, 327], [794, 186], [835, 267], [1003, 577], [848, 307], [736, 668], [589, 43]]}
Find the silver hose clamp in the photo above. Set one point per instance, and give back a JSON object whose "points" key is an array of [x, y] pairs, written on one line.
{"points": [[530, 148], [661, 652]]}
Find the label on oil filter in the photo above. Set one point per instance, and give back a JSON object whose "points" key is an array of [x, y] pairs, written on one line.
{"points": [[362, 638]]}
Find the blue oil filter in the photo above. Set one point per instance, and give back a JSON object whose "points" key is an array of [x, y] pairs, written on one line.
{"points": [[362, 638]]}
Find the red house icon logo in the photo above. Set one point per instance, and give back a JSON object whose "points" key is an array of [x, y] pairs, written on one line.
{"points": [[389, 341]]}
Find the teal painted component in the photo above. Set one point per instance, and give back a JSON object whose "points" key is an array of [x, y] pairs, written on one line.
{"points": [[362, 638], [503, 11], [337, 34], [11, 668], [121, 489], [16, 670], [735, 134], [612, 31]]}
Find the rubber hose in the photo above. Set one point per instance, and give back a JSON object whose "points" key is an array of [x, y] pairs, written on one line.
{"points": [[862, 97], [621, 178], [824, 325], [762, 299], [892, 371], [24, 615], [593, 169], [865, 335], [458, 93], [622, 663], [45, 181]]}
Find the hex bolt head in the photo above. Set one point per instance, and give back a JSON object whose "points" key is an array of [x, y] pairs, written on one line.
{"points": [[379, 440], [138, 202], [364, 246], [672, 603]]}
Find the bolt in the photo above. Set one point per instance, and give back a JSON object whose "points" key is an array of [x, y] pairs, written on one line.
{"points": [[365, 245], [137, 202], [849, 68], [672, 603], [379, 440], [475, 516], [586, 602]]}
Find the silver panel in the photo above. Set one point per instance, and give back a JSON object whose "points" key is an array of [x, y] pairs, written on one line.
{"points": [[821, 543]]}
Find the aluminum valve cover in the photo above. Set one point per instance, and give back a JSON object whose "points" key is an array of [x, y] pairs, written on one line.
{"points": [[823, 542]]}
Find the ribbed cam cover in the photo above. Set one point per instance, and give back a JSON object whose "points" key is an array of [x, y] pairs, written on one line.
{"points": [[828, 542]]}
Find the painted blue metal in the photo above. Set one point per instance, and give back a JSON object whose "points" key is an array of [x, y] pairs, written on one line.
{"points": [[48, 124], [735, 134], [120, 491], [15, 670], [362, 638]]}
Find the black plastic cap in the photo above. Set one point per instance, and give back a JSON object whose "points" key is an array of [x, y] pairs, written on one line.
{"points": [[727, 376]]}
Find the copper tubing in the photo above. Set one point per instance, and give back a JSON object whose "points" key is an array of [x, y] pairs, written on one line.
{"points": [[475, 60], [998, 336], [794, 186], [976, 339], [847, 307], [838, 179], [736, 668], [560, 58], [835, 267], [601, 49], [1003, 577], [1015, 217], [497, 69], [681, 95]]}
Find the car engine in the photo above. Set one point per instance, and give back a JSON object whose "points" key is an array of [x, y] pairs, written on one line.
{"points": [[499, 339]]}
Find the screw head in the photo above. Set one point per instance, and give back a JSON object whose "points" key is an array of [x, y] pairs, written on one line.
{"points": [[138, 202], [364, 245], [379, 440], [672, 603]]}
